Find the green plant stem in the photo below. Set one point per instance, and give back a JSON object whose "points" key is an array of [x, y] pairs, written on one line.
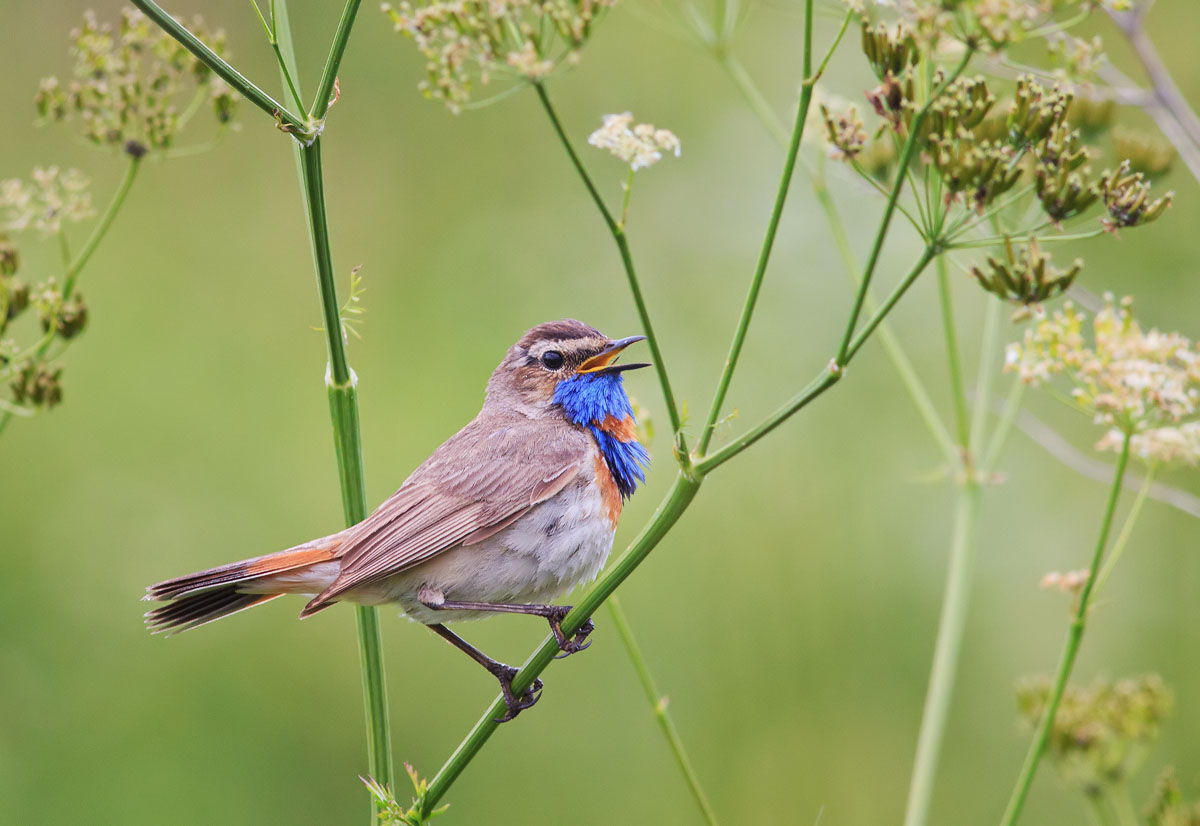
{"points": [[103, 224], [622, 241], [983, 382], [342, 388], [954, 362], [333, 62], [1123, 806], [837, 227], [1099, 810], [906, 155], [764, 256], [1067, 662], [823, 380], [1118, 548], [224, 70], [658, 705], [680, 495], [1008, 415], [951, 626]]}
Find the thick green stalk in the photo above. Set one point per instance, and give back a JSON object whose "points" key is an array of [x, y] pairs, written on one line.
{"points": [[224, 70], [658, 705], [1074, 636], [342, 387], [951, 625], [622, 240], [764, 256], [906, 155], [672, 507], [336, 52]]}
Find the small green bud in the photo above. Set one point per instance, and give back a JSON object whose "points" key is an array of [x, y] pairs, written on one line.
{"points": [[1064, 194], [37, 384], [1035, 111]]}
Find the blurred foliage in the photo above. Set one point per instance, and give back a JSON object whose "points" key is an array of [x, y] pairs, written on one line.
{"points": [[197, 432]]}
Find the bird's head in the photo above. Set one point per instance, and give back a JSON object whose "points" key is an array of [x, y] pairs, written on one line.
{"points": [[564, 368]]}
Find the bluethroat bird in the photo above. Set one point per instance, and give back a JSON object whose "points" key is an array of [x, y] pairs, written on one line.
{"points": [[509, 514]]}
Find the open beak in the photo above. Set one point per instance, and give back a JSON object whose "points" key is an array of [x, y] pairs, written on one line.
{"points": [[602, 362]]}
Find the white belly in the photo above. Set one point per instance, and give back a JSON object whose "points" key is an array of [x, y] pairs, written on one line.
{"points": [[543, 555]]}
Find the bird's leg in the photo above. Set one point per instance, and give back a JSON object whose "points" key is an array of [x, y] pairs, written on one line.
{"points": [[503, 673], [553, 614]]}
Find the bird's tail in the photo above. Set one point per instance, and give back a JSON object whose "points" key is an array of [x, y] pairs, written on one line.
{"points": [[200, 598]]}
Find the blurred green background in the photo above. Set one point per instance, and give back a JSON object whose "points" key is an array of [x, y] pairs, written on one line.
{"points": [[790, 617]]}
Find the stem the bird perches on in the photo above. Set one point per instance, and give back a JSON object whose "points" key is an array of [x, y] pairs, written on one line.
{"points": [[1041, 737]]}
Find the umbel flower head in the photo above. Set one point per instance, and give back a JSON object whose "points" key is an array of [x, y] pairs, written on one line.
{"points": [[469, 41], [639, 145], [1027, 279], [1101, 733], [49, 199], [1131, 379], [134, 86]]}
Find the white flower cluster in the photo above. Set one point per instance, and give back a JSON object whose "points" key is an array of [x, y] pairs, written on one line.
{"points": [[1159, 445], [639, 145], [1136, 381], [52, 197], [465, 42]]}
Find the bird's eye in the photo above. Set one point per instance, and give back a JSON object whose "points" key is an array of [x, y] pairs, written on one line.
{"points": [[552, 359]]}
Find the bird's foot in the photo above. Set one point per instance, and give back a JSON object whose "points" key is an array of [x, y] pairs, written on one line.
{"points": [[569, 645], [514, 704]]}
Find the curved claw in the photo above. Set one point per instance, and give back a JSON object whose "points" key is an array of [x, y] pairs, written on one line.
{"points": [[572, 645], [515, 705]]}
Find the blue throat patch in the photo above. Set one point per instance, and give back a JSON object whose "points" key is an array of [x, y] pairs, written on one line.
{"points": [[588, 399]]}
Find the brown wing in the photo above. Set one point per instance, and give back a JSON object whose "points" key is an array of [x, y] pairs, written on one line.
{"points": [[478, 482]]}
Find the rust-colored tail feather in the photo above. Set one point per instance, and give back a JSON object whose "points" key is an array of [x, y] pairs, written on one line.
{"points": [[200, 598]]}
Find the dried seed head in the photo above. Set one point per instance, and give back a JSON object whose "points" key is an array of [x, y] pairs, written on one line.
{"points": [[14, 298], [10, 259], [1026, 281], [1064, 194], [890, 52], [37, 384], [1127, 198], [844, 132], [1035, 111]]}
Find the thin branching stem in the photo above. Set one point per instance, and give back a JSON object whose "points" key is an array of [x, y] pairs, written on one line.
{"points": [[1135, 510], [224, 70], [953, 360], [1066, 663], [337, 51], [658, 706], [906, 155], [823, 380], [618, 232], [764, 256]]}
